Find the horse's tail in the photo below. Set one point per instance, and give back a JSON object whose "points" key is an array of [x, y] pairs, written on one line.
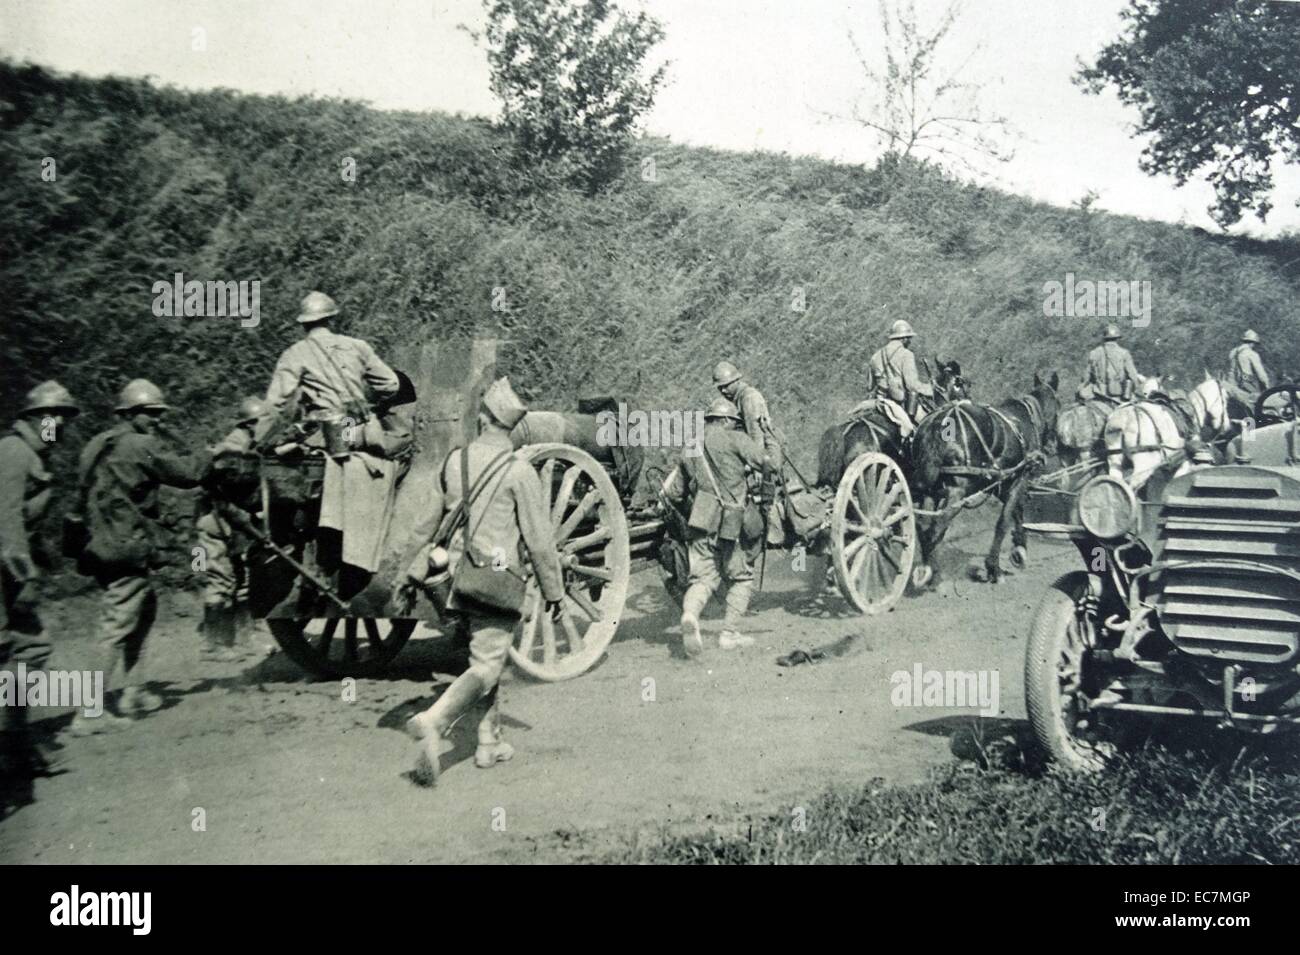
{"points": [[830, 456]]}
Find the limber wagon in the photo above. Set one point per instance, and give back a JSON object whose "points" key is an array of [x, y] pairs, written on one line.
{"points": [[335, 620]]}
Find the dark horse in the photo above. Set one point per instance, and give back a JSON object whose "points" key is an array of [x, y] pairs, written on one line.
{"points": [[967, 448], [874, 431]]}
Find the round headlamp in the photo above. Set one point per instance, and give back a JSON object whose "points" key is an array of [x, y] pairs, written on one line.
{"points": [[1108, 508]]}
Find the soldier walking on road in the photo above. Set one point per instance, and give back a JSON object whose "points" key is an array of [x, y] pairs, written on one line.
{"points": [[225, 581], [503, 514], [121, 470], [24, 498], [337, 379], [1247, 378], [719, 549]]}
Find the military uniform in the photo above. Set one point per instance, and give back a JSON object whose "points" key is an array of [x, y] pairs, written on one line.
{"points": [[1247, 379], [334, 375], [507, 518], [24, 498], [121, 471], [729, 456], [894, 375], [1110, 373], [225, 577]]}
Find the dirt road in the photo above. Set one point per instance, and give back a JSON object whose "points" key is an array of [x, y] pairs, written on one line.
{"points": [[280, 768]]}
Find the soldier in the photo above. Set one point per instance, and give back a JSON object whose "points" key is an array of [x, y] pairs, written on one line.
{"points": [[719, 548], [1247, 379], [225, 581], [757, 423], [334, 376], [507, 512], [895, 378], [24, 498], [1110, 374], [121, 470]]}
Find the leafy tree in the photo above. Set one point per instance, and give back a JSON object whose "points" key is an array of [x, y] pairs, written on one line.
{"points": [[1217, 83], [573, 81]]}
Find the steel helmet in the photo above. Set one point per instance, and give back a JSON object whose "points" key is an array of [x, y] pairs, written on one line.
{"points": [[141, 394], [50, 396], [722, 408], [1250, 336], [1112, 333], [250, 409], [724, 373], [316, 307], [901, 329]]}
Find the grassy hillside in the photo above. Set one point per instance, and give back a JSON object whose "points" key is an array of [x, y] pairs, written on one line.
{"points": [[637, 291]]}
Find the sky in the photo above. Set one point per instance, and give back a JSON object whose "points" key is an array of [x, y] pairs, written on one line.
{"points": [[743, 74]]}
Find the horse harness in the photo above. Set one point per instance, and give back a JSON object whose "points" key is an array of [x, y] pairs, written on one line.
{"points": [[1031, 448]]}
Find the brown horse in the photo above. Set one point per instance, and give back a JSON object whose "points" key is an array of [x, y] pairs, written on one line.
{"points": [[875, 431], [971, 450]]}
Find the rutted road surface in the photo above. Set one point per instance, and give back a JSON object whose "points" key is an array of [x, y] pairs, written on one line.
{"points": [[285, 770]]}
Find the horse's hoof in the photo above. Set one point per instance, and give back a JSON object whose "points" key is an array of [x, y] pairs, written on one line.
{"points": [[978, 574], [1019, 557], [921, 576]]}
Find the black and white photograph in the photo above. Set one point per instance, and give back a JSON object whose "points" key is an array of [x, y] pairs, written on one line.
{"points": [[651, 432]]}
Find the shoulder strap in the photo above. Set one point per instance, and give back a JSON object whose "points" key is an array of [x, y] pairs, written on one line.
{"points": [[708, 469], [496, 466], [348, 386], [88, 477]]}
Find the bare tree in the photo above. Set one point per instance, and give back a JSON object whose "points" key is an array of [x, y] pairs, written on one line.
{"points": [[915, 107]]}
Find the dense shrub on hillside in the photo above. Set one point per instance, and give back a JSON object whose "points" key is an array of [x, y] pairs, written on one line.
{"points": [[637, 290]]}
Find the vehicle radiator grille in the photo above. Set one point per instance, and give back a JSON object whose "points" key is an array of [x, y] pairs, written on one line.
{"points": [[1249, 612]]}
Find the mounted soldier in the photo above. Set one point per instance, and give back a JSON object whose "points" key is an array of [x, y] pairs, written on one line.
{"points": [[1247, 377], [756, 422], [895, 382], [25, 493], [337, 381], [120, 472], [721, 543], [1111, 374]]}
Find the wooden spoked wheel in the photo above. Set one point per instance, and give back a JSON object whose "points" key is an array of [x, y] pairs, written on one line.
{"points": [[591, 536], [341, 646], [873, 533]]}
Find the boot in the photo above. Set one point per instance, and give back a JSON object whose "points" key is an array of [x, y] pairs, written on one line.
{"points": [[693, 602], [734, 640], [432, 725], [218, 629], [491, 748], [737, 605]]}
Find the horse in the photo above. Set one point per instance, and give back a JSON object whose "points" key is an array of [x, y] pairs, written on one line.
{"points": [[874, 430], [971, 450], [1143, 435], [1080, 428]]}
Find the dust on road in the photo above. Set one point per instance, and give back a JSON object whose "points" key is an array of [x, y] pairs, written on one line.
{"points": [[280, 768]]}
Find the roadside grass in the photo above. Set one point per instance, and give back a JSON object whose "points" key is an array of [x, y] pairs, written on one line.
{"points": [[1223, 804]]}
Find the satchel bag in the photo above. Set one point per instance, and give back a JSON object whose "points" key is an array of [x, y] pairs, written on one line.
{"points": [[732, 523], [476, 580]]}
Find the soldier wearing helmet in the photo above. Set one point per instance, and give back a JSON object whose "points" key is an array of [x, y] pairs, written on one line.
{"points": [[1111, 374], [25, 491], [224, 547], [724, 533], [336, 378], [757, 423], [895, 378], [121, 470], [1247, 378]]}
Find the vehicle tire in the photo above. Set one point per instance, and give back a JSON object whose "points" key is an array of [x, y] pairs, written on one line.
{"points": [[336, 647], [1057, 681]]}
